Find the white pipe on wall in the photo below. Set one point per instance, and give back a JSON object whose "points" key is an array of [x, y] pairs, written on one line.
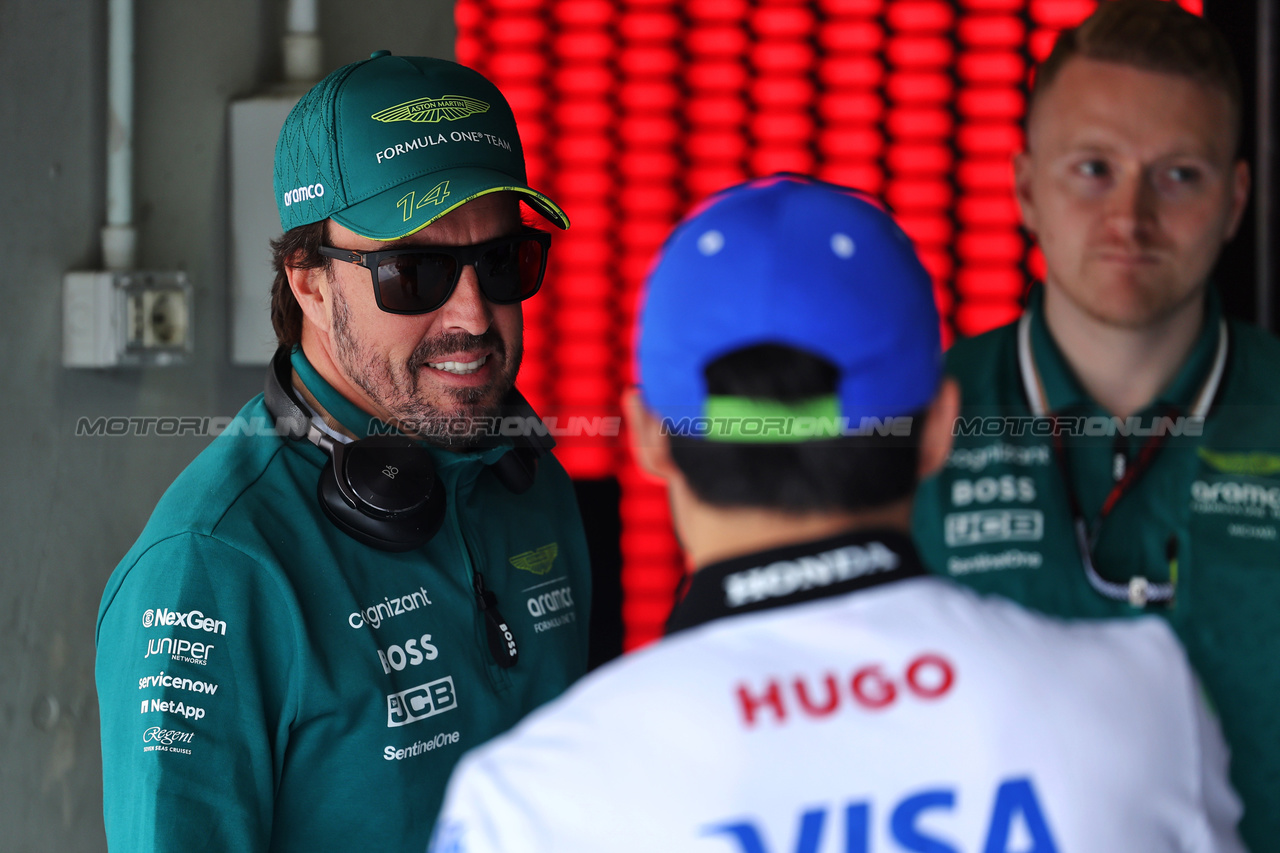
{"points": [[302, 16], [119, 237], [302, 43]]}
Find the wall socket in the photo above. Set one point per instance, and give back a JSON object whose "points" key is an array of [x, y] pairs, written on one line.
{"points": [[126, 318]]}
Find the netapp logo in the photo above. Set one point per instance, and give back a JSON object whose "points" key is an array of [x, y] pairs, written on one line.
{"points": [[418, 703], [170, 706], [307, 193], [194, 619]]}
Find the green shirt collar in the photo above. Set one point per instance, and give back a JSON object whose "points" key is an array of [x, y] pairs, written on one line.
{"points": [[1064, 391], [361, 424]]}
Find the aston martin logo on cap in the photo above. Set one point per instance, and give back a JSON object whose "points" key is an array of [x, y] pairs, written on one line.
{"points": [[447, 107]]}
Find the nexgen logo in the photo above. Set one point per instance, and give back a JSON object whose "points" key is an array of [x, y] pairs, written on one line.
{"points": [[193, 619]]}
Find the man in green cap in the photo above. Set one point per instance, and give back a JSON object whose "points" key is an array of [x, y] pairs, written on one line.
{"points": [[1118, 451], [377, 565]]}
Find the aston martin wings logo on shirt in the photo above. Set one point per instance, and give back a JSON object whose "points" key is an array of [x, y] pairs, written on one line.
{"points": [[1253, 464], [446, 107], [538, 560]]}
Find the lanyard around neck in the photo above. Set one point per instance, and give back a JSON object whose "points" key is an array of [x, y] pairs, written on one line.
{"points": [[1138, 591]]}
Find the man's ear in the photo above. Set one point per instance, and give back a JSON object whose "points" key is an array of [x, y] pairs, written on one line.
{"points": [[935, 443], [313, 290], [1022, 174], [651, 449], [1240, 181]]}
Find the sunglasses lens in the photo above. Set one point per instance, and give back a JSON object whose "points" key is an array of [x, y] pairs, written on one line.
{"points": [[511, 272], [415, 283]]}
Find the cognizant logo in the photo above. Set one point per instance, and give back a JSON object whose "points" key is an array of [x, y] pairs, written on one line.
{"points": [[375, 614]]}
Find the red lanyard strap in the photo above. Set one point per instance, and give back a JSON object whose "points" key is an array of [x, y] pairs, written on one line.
{"points": [[1138, 591]]}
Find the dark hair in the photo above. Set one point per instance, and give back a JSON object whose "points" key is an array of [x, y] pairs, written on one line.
{"points": [[832, 474], [298, 248], [1154, 35]]}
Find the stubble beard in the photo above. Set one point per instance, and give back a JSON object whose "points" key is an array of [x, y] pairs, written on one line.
{"points": [[456, 417], [1152, 306]]}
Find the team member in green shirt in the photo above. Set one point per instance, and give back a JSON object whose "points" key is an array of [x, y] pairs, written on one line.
{"points": [[376, 566], [1118, 450]]}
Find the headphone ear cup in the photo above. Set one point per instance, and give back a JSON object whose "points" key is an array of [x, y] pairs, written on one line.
{"points": [[397, 532]]}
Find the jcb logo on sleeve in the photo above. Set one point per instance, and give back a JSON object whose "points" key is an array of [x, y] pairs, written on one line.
{"points": [[418, 703]]}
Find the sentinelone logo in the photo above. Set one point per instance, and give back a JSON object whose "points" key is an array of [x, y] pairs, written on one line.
{"points": [[996, 426]]}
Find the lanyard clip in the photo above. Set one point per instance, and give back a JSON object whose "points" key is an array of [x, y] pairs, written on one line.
{"points": [[1139, 590]]}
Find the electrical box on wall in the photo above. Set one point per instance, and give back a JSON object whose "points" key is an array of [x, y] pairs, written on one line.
{"points": [[253, 222], [125, 318]]}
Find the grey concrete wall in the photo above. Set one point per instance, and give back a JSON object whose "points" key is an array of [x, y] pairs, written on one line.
{"points": [[70, 507]]}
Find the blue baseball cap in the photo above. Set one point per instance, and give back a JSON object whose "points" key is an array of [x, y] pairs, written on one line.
{"points": [[795, 261]]}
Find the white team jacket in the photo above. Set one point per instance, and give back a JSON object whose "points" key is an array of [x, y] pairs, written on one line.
{"points": [[909, 715]]}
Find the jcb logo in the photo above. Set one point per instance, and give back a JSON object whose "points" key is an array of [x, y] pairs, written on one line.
{"points": [[418, 703]]}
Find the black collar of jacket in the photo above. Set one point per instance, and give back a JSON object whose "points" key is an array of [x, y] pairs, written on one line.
{"points": [[795, 573]]}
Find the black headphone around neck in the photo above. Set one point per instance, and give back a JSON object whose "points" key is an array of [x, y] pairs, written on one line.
{"points": [[383, 490]]}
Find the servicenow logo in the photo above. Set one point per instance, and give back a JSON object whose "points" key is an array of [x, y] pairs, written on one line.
{"points": [[176, 682]]}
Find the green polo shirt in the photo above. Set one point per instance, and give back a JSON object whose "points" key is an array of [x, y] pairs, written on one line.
{"points": [[1205, 515], [266, 682]]}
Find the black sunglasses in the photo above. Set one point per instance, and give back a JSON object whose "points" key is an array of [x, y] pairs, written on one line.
{"points": [[419, 281]]}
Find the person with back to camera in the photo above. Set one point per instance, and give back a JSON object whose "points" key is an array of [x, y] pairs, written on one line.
{"points": [[320, 619], [817, 689], [1119, 446]]}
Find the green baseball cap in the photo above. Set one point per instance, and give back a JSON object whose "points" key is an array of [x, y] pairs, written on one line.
{"points": [[388, 145]]}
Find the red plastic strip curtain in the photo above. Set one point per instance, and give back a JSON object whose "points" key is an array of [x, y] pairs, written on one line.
{"points": [[633, 110]]}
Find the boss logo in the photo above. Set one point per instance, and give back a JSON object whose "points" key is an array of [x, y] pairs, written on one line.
{"points": [[984, 490], [411, 653]]}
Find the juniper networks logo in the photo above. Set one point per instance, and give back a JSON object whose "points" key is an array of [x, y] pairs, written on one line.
{"points": [[420, 110]]}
